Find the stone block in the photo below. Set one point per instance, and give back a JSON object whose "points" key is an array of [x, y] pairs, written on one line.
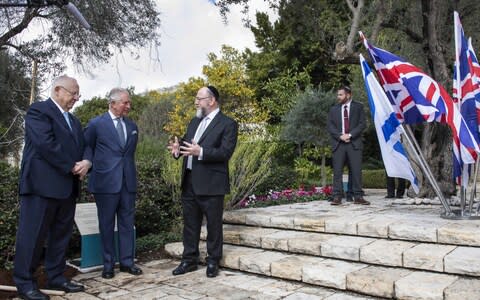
{"points": [[375, 226], [279, 239], [426, 256], [260, 262], [291, 267], [330, 273], [423, 285], [463, 260], [345, 224], [385, 252], [282, 221], [460, 234], [174, 249], [344, 247], [462, 289], [375, 281], [253, 236], [414, 230], [232, 254], [308, 243]]}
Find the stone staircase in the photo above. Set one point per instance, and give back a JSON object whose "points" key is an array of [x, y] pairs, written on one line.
{"points": [[382, 250]]}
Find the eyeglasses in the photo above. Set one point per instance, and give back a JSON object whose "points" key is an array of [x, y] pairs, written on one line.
{"points": [[70, 92], [200, 99]]}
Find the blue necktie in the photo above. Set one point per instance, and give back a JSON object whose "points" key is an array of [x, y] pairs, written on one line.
{"points": [[120, 131], [67, 118]]}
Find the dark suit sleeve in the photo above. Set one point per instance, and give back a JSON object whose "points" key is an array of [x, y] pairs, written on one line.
{"points": [[334, 131], [228, 142], [90, 141], [356, 132], [39, 128]]}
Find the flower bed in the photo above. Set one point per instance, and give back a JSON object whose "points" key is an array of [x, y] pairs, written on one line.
{"points": [[286, 196]]}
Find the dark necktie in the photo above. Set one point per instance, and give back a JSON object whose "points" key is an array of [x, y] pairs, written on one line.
{"points": [[120, 131], [346, 122], [67, 118]]}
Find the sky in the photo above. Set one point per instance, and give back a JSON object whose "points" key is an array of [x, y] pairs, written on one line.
{"points": [[190, 29]]}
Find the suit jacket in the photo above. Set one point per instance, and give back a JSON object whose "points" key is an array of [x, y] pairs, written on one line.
{"points": [[357, 124], [111, 162], [210, 175], [51, 151]]}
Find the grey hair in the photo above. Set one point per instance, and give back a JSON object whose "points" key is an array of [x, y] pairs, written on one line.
{"points": [[60, 81], [115, 94]]}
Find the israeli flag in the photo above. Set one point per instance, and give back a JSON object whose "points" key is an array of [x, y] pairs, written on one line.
{"points": [[388, 129]]}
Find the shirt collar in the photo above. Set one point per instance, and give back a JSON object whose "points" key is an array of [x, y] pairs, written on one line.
{"points": [[112, 115], [212, 115], [59, 107]]}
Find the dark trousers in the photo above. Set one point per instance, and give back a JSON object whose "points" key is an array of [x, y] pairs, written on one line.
{"points": [[391, 187], [343, 155], [42, 219], [194, 208], [121, 206]]}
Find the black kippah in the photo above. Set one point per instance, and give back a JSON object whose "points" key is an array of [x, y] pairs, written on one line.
{"points": [[214, 92]]}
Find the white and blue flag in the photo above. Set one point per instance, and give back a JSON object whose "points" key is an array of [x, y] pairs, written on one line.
{"points": [[388, 129]]}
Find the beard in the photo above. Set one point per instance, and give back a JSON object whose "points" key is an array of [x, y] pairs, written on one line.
{"points": [[200, 113]]}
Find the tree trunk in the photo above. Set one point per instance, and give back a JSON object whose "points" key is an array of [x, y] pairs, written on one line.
{"points": [[436, 140]]}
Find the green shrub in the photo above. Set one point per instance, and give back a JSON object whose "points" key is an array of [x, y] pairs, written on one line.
{"points": [[9, 207], [282, 177], [374, 179]]}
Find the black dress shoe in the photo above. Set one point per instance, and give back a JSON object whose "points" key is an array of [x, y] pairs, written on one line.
{"points": [[212, 270], [67, 287], [33, 295], [108, 274], [184, 267], [134, 270]]}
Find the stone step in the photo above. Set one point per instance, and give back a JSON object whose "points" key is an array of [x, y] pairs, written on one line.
{"points": [[379, 220], [357, 277], [451, 259]]}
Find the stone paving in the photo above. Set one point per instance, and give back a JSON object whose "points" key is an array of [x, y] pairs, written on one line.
{"points": [[157, 282]]}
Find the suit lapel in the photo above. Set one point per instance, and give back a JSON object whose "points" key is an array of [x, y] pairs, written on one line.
{"points": [[61, 119], [210, 127], [108, 123]]}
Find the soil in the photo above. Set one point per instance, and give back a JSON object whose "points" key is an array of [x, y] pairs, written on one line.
{"points": [[7, 279]]}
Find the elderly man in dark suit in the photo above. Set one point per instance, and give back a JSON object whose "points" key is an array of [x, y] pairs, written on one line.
{"points": [[206, 147], [111, 141], [51, 168], [346, 122]]}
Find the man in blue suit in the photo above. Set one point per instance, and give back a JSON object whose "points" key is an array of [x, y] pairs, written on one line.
{"points": [[111, 141], [207, 146], [51, 168]]}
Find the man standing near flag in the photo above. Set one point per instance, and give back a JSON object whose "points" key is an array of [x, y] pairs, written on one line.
{"points": [[346, 122]]}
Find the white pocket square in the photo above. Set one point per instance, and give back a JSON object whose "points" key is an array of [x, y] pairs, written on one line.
{"points": [[134, 132]]}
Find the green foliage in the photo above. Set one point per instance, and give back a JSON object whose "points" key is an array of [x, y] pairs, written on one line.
{"points": [[156, 241], [283, 177], [306, 122], [98, 106], [156, 211], [249, 167], [14, 99], [374, 179], [305, 170], [9, 207], [90, 109], [280, 93]]}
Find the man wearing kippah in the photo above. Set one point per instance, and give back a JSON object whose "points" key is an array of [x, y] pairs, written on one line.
{"points": [[206, 148]]}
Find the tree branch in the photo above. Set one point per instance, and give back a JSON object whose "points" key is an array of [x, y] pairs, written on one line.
{"points": [[356, 12], [415, 37], [377, 24], [19, 49], [30, 13]]}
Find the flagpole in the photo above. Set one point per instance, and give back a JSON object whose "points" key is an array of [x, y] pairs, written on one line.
{"points": [[474, 188], [425, 168]]}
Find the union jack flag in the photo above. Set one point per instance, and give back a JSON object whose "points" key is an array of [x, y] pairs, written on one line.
{"points": [[466, 91], [417, 98]]}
